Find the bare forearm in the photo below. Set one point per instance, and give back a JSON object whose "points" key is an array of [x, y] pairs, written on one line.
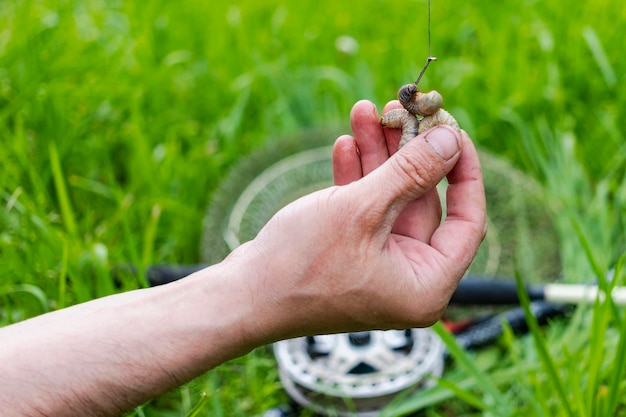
{"points": [[106, 356]]}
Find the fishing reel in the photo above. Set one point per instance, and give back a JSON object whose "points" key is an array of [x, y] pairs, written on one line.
{"points": [[357, 374]]}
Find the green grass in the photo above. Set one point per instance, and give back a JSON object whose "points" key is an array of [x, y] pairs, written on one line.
{"points": [[118, 120]]}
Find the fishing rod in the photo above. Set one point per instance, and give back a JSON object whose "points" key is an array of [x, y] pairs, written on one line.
{"points": [[472, 290]]}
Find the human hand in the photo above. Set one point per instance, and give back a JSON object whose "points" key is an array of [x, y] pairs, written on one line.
{"points": [[358, 155], [369, 253]]}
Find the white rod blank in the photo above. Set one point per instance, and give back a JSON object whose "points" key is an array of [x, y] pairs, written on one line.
{"points": [[576, 294]]}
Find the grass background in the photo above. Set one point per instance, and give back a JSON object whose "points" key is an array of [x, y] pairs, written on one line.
{"points": [[118, 120]]}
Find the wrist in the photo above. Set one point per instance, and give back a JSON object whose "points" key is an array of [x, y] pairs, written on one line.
{"points": [[218, 310], [260, 309]]}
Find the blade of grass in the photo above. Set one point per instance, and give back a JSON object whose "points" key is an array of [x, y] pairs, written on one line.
{"points": [[59, 182], [619, 363], [603, 284], [513, 349], [63, 277], [575, 374], [199, 406], [217, 409], [150, 236], [596, 352], [617, 374], [599, 55], [463, 360], [29, 289], [540, 344], [423, 399], [463, 394], [132, 244]]}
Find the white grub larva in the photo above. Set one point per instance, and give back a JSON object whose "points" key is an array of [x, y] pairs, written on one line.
{"points": [[441, 117], [425, 105], [403, 120]]}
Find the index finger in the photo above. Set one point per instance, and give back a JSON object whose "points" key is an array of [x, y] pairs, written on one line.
{"points": [[368, 135], [392, 135]]}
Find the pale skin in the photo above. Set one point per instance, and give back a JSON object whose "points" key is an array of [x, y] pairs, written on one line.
{"points": [[368, 253]]}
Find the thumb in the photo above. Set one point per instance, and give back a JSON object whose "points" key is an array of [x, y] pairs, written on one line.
{"points": [[415, 169]]}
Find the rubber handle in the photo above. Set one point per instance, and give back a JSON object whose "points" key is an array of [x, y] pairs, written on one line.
{"points": [[164, 274], [481, 291]]}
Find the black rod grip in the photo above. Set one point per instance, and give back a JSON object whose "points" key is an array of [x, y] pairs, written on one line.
{"points": [[480, 291], [164, 274]]}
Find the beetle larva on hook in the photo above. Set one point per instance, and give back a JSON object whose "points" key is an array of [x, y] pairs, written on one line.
{"points": [[403, 120], [415, 103]]}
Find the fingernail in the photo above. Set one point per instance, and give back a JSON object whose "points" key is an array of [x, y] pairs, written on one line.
{"points": [[444, 140]]}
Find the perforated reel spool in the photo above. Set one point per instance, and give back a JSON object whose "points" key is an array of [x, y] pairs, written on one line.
{"points": [[352, 374], [358, 374]]}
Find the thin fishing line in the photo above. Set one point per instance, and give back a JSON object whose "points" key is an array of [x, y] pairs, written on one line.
{"points": [[430, 57]]}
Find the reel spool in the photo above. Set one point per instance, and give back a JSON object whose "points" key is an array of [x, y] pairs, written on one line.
{"points": [[359, 373]]}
